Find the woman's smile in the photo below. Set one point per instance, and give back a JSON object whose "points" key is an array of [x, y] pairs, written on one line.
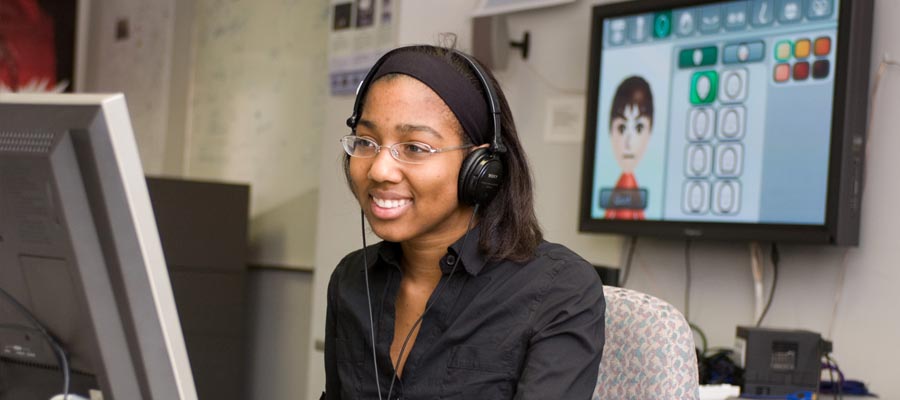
{"points": [[384, 208]]}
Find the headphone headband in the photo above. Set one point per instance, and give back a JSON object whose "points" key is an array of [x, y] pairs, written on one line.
{"points": [[449, 93]]}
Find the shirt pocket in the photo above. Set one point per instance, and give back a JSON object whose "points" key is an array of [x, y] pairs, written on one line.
{"points": [[479, 372]]}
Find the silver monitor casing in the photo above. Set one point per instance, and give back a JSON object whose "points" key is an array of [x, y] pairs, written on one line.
{"points": [[79, 246]]}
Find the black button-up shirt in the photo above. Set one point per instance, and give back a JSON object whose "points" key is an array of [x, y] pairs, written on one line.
{"points": [[497, 330]]}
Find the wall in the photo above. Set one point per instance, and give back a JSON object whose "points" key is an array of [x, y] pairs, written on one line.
{"points": [[721, 297], [257, 80], [138, 64]]}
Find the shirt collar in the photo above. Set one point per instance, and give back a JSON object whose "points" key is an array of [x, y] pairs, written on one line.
{"points": [[470, 258]]}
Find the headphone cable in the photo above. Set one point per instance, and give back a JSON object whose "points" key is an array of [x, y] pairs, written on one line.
{"points": [[437, 294], [362, 225]]}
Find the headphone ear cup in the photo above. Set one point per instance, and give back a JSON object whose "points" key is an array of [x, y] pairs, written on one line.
{"points": [[479, 177]]}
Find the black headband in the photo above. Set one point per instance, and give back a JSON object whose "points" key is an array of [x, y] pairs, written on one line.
{"points": [[457, 91]]}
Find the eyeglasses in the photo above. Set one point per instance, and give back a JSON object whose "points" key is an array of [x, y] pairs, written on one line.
{"points": [[406, 152]]}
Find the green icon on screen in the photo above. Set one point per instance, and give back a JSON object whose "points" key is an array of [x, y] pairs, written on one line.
{"points": [[697, 57], [704, 85], [662, 24]]}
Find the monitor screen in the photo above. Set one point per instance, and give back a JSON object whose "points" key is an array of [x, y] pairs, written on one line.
{"points": [[80, 257], [717, 116]]}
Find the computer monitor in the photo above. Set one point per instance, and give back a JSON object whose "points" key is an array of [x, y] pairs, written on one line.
{"points": [[79, 249], [737, 119]]}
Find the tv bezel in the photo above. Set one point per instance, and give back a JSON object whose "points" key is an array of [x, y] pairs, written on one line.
{"points": [[848, 135]]}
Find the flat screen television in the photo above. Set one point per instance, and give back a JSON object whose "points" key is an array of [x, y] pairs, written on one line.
{"points": [[727, 119], [82, 271]]}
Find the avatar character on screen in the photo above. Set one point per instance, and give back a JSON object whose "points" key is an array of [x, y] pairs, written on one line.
{"points": [[630, 126]]}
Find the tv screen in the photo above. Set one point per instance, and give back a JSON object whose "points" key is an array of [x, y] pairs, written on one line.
{"points": [[727, 119]]}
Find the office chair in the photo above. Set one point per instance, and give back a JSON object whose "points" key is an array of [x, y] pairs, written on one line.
{"points": [[649, 350]]}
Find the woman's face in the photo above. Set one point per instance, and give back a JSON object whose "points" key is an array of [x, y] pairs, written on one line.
{"points": [[629, 136], [409, 202]]}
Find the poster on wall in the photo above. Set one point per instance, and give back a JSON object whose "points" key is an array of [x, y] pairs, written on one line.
{"points": [[361, 31], [37, 45]]}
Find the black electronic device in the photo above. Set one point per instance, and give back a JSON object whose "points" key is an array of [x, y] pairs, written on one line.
{"points": [[80, 254], [482, 171], [727, 119], [779, 362]]}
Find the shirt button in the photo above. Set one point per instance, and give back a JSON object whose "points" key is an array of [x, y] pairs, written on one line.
{"points": [[451, 259]]}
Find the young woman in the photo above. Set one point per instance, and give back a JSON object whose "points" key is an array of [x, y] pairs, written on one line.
{"points": [[462, 299]]}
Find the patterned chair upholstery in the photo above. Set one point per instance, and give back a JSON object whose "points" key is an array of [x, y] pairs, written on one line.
{"points": [[649, 350]]}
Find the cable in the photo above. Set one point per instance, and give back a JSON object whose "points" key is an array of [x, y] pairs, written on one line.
{"points": [[836, 388], [437, 294], [756, 267], [882, 67], [687, 285], [775, 259], [626, 269], [60, 354], [703, 340], [362, 224], [842, 272], [831, 377]]}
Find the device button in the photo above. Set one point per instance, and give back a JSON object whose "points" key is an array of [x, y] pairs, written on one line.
{"points": [[698, 160], [697, 57], [726, 197], [735, 16], [704, 85], [819, 9], [695, 198], [782, 72], [801, 71], [762, 13], [820, 69], [823, 46], [685, 22], [790, 11], [639, 29], [734, 86], [616, 31], [662, 24], [731, 123], [729, 160], [783, 50], [701, 124], [710, 19], [801, 48]]}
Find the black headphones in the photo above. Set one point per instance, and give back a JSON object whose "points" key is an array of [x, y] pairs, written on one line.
{"points": [[482, 170]]}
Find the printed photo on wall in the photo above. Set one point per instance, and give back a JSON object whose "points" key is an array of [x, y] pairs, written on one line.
{"points": [[342, 15], [37, 45], [365, 13]]}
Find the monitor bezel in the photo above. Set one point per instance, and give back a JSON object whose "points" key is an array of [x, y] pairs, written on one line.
{"points": [[100, 191]]}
